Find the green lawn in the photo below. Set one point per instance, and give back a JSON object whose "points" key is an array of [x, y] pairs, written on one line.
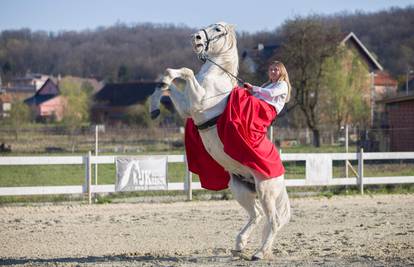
{"points": [[47, 175]]}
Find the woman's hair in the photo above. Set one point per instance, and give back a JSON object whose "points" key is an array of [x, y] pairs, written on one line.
{"points": [[283, 76]]}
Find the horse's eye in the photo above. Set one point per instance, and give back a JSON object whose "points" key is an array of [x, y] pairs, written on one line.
{"points": [[218, 30]]}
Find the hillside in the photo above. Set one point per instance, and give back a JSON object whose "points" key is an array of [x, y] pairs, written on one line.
{"points": [[123, 52]]}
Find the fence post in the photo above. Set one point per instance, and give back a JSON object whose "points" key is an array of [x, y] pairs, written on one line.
{"points": [[88, 177], [96, 153], [361, 171], [188, 180]]}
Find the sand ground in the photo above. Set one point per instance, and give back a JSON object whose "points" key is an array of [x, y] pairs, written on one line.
{"points": [[341, 231]]}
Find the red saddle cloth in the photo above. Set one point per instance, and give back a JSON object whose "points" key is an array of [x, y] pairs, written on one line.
{"points": [[242, 129]]}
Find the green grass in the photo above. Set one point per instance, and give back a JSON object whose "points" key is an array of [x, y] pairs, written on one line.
{"points": [[368, 190], [321, 149], [51, 175]]}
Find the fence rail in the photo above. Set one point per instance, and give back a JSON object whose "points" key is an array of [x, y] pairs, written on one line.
{"points": [[318, 172]]}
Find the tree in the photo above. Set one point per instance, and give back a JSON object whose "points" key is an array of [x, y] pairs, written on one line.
{"points": [[123, 74], [76, 108], [20, 115], [138, 114], [307, 43], [344, 89]]}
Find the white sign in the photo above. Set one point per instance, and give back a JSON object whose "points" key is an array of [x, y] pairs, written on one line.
{"points": [[141, 173], [319, 169]]}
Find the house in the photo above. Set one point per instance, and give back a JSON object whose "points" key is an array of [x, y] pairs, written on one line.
{"points": [[112, 102], [399, 111], [23, 87], [384, 85], [30, 79], [47, 103], [260, 53], [5, 104]]}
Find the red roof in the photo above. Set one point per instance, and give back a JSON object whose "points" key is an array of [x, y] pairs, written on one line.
{"points": [[384, 78]]}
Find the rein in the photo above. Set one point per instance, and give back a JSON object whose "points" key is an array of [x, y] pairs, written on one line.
{"points": [[205, 58]]}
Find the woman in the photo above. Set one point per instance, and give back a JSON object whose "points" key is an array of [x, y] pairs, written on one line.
{"points": [[243, 125], [276, 91], [242, 128]]}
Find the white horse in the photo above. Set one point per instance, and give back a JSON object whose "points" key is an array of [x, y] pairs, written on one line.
{"points": [[204, 98]]}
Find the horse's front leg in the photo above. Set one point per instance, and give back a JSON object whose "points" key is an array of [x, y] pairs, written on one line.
{"points": [[155, 99], [178, 98], [196, 92]]}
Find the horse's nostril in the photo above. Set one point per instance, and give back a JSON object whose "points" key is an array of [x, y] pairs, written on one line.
{"points": [[198, 37]]}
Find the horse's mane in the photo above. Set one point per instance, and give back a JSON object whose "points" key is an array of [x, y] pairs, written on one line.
{"points": [[231, 57]]}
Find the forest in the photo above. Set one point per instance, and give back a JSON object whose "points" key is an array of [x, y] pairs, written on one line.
{"points": [[141, 52]]}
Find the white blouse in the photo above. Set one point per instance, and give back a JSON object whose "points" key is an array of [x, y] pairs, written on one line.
{"points": [[274, 93]]}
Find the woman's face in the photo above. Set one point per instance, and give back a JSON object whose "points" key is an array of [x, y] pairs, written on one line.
{"points": [[274, 73]]}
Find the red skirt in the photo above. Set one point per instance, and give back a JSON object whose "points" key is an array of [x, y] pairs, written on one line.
{"points": [[242, 128]]}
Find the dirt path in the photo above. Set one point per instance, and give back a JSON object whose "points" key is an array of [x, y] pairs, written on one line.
{"points": [[341, 231]]}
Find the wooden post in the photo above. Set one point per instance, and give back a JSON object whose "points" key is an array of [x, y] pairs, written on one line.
{"points": [[89, 177], [188, 181], [96, 153], [346, 150], [361, 171]]}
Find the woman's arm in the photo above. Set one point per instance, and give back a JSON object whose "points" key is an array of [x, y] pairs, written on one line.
{"points": [[277, 89]]}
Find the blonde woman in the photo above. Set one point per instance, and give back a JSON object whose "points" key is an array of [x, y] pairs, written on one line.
{"points": [[243, 125], [276, 91]]}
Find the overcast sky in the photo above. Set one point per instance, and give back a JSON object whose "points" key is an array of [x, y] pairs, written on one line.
{"points": [[248, 15]]}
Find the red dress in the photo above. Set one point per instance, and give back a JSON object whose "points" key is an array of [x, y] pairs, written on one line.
{"points": [[242, 129]]}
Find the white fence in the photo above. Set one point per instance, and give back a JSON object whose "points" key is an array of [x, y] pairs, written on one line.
{"points": [[319, 172]]}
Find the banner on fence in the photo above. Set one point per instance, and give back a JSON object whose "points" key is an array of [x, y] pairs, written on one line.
{"points": [[141, 173]]}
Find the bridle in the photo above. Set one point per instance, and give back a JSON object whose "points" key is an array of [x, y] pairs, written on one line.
{"points": [[215, 38], [203, 54]]}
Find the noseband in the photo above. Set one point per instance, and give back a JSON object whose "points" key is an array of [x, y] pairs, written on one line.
{"points": [[208, 40]]}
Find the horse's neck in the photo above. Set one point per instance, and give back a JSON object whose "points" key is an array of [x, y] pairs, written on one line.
{"points": [[217, 84], [228, 61], [223, 69]]}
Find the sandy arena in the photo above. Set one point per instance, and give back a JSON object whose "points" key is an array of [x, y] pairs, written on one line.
{"points": [[341, 231]]}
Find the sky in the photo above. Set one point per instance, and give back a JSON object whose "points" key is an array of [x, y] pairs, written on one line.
{"points": [[248, 15]]}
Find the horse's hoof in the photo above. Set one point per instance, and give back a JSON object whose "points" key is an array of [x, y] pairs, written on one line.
{"points": [[236, 253], [240, 254], [155, 114], [258, 256], [262, 256]]}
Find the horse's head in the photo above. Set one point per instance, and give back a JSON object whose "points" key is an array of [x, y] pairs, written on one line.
{"points": [[214, 39]]}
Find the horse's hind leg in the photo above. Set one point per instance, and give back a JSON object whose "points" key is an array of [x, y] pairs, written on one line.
{"points": [[275, 203], [246, 197]]}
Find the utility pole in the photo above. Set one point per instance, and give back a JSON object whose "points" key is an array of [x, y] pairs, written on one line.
{"points": [[407, 77]]}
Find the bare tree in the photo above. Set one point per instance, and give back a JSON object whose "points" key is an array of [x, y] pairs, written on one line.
{"points": [[306, 44]]}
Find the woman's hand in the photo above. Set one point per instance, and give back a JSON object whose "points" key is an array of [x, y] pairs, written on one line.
{"points": [[248, 87]]}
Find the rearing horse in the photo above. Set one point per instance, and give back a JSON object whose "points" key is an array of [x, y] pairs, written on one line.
{"points": [[204, 98]]}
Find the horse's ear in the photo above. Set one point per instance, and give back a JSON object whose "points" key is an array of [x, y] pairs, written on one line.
{"points": [[231, 27]]}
